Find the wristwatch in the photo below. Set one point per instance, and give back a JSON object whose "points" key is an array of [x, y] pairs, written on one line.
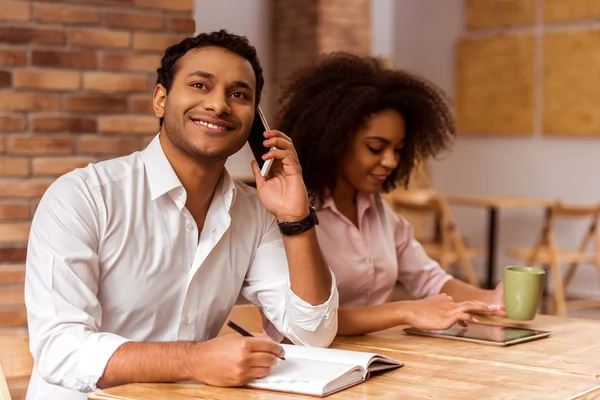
{"points": [[298, 227]]}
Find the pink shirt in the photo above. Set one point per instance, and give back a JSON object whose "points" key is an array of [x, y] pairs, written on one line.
{"points": [[369, 259]]}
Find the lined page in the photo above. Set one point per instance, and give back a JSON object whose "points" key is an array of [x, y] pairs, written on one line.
{"points": [[303, 375]]}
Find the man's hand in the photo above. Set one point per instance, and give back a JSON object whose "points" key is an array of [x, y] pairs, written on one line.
{"points": [[440, 312], [284, 195], [234, 360]]}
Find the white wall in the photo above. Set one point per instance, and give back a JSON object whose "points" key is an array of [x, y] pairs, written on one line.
{"points": [[426, 32], [251, 18]]}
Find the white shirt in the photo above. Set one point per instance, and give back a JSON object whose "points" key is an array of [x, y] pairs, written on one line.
{"points": [[114, 256]]}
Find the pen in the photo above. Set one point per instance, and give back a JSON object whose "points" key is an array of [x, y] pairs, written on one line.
{"points": [[244, 332]]}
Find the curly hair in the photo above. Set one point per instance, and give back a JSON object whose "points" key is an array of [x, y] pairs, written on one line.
{"points": [[234, 43], [326, 103]]}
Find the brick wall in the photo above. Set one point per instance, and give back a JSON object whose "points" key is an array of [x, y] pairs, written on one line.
{"points": [[305, 28], [75, 84]]}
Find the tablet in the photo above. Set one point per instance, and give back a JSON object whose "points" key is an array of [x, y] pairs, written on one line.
{"points": [[494, 335]]}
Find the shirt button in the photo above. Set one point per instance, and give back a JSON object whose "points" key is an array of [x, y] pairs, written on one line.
{"points": [[190, 226], [368, 260], [186, 320]]}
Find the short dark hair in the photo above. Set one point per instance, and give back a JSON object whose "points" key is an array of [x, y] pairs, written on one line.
{"points": [[326, 103], [234, 43]]}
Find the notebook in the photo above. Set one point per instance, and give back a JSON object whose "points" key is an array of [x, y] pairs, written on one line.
{"points": [[321, 372]]}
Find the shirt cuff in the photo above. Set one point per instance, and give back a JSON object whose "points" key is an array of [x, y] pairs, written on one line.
{"points": [[306, 316], [98, 350]]}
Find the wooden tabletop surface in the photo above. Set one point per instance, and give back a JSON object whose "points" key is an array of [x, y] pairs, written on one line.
{"points": [[501, 201], [566, 365]]}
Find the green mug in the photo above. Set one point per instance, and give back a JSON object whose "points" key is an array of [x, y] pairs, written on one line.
{"points": [[523, 291]]}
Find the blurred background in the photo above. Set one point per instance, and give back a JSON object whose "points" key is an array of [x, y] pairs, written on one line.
{"points": [[522, 75]]}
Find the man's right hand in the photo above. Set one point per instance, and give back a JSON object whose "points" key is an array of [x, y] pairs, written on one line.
{"points": [[440, 312], [234, 360]]}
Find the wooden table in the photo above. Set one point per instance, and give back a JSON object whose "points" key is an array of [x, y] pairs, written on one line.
{"points": [[493, 204], [563, 366]]}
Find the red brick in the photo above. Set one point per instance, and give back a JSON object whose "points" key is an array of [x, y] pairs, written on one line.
{"points": [[183, 25], [141, 105], [135, 21], [101, 2], [131, 62], [43, 123], [13, 318], [175, 5], [14, 166], [14, 232], [40, 145], [154, 41], [32, 35], [12, 274], [95, 104], [99, 38], [104, 146], [12, 57], [14, 11], [128, 124], [43, 79], [108, 82], [13, 211], [28, 101], [65, 14], [24, 188], [13, 254], [5, 78], [64, 59], [12, 123], [55, 166]]}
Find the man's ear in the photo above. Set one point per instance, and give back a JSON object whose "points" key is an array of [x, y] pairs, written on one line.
{"points": [[158, 100]]}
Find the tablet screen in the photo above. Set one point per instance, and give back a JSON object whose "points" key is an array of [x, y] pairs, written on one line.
{"points": [[490, 333]]}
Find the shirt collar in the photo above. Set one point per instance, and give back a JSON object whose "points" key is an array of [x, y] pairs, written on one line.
{"points": [[162, 177], [363, 203]]}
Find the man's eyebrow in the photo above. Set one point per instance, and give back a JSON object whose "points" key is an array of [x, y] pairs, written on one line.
{"points": [[202, 74], [242, 84]]}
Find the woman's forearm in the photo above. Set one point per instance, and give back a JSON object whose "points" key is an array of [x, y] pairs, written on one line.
{"points": [[362, 320]]}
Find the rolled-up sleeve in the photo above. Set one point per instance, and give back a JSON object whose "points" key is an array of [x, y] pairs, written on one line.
{"points": [[267, 285], [61, 288], [419, 274]]}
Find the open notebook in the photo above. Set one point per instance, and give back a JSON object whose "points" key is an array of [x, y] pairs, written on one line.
{"points": [[321, 372]]}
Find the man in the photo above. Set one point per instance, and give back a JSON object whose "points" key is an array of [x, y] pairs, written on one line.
{"points": [[134, 263]]}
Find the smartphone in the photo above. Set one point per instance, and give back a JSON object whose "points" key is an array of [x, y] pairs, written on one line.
{"points": [[256, 139]]}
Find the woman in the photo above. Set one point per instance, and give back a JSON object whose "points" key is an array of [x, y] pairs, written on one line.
{"points": [[359, 129]]}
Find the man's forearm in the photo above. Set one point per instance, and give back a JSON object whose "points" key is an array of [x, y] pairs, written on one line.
{"points": [[310, 278], [148, 362]]}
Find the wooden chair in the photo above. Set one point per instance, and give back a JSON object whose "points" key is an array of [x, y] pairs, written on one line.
{"points": [[13, 316], [446, 246], [547, 254], [16, 364]]}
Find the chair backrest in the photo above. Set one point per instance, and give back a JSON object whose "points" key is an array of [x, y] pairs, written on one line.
{"points": [[16, 364], [561, 211], [429, 207], [12, 304]]}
